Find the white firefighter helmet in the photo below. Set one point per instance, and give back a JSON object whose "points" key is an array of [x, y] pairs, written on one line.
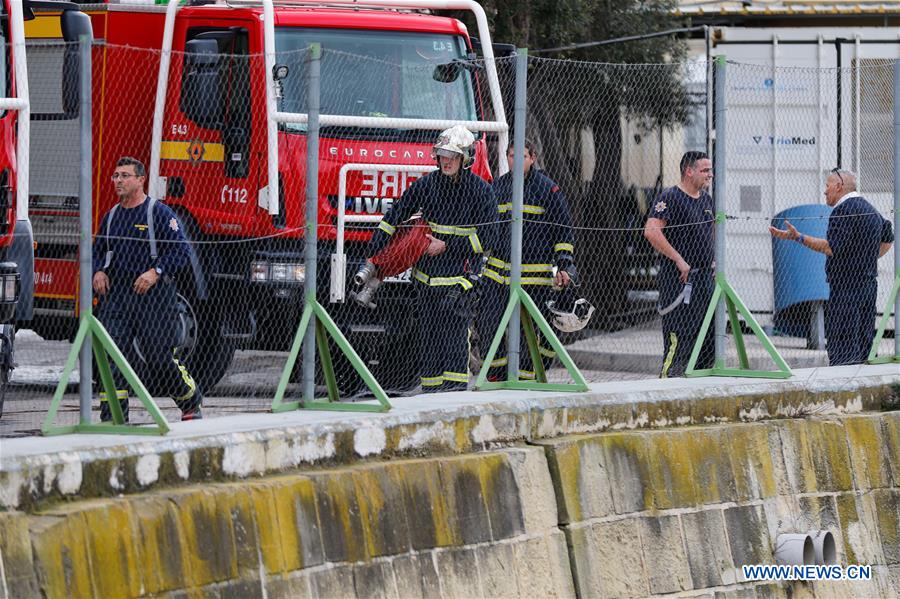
{"points": [[570, 313], [455, 140]]}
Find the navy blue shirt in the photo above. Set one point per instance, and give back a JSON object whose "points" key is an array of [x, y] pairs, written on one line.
{"points": [[458, 210], [855, 233], [690, 226], [129, 242]]}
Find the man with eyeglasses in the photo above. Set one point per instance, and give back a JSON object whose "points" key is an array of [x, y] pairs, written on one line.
{"points": [[680, 226], [857, 236], [137, 250]]}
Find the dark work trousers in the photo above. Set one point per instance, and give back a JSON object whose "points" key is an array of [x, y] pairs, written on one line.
{"points": [[445, 314], [150, 319], [495, 297], [850, 323], [681, 327]]}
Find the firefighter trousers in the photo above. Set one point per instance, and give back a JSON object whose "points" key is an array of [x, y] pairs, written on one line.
{"points": [[148, 319], [495, 297], [445, 314], [850, 322], [681, 326]]}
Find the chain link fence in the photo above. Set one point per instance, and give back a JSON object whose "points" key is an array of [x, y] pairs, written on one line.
{"points": [[606, 142]]}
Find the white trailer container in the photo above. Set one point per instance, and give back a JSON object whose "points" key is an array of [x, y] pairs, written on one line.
{"points": [[818, 98]]}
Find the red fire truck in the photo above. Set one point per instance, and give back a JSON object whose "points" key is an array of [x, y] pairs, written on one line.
{"points": [[16, 238], [393, 76]]}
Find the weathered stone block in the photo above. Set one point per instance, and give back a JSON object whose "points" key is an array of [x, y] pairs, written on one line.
{"points": [[830, 456], [343, 535], [110, 543], [380, 494], [887, 516], [160, 543], [859, 529], [425, 505], [534, 570], [748, 535], [560, 564], [416, 576], [236, 505], [607, 560], [328, 583], [870, 463], [61, 556], [780, 517], [818, 512], [535, 492], [502, 496], [672, 474], [708, 553], [375, 580], [797, 456], [712, 466], [294, 586], [890, 428], [242, 589], [579, 478], [299, 525], [458, 573], [663, 548], [497, 567], [755, 466], [772, 591], [467, 515], [18, 559], [268, 529], [628, 465], [209, 539]]}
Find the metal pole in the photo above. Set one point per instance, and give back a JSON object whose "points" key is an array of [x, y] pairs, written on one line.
{"points": [[312, 215], [85, 272], [518, 178], [709, 91], [719, 197], [896, 202]]}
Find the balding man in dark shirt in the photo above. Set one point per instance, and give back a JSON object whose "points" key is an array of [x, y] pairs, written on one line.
{"points": [[857, 237]]}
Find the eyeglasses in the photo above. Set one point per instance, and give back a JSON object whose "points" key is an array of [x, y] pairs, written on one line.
{"points": [[122, 176], [837, 171]]}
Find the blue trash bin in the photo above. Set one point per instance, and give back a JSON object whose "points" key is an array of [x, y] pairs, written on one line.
{"points": [[799, 273]]}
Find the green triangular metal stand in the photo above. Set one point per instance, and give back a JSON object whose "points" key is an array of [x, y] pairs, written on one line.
{"points": [[882, 325], [734, 305], [325, 325], [530, 315], [104, 348]]}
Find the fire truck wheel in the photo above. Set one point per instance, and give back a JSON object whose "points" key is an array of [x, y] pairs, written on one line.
{"points": [[202, 349]]}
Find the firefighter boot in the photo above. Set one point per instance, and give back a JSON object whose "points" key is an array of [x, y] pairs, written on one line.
{"points": [[106, 413], [191, 408]]}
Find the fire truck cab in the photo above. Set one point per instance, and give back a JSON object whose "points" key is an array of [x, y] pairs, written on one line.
{"points": [[392, 77], [16, 236]]}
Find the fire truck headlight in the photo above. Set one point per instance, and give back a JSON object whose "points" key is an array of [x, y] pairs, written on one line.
{"points": [[259, 272], [280, 272], [9, 283]]}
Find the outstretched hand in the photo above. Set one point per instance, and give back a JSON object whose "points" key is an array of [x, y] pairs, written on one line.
{"points": [[790, 233]]}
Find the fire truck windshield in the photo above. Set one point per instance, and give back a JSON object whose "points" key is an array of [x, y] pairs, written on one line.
{"points": [[377, 74]]}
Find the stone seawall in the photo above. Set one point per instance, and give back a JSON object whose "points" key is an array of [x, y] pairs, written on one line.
{"points": [[576, 496]]}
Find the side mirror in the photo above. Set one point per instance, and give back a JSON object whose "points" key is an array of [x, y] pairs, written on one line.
{"points": [[446, 73], [200, 99]]}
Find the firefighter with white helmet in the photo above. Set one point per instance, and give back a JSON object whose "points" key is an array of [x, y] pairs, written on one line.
{"points": [[456, 204]]}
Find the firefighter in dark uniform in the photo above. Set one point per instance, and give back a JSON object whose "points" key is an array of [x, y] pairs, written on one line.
{"points": [[856, 238], [681, 227], [547, 246], [456, 204], [136, 289]]}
